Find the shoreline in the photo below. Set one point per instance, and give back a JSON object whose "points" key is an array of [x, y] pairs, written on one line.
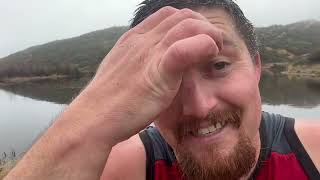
{"points": [[22, 80], [297, 74], [291, 75], [293, 71]]}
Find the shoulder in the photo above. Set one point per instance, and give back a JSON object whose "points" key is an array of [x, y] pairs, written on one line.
{"points": [[127, 160], [309, 135]]}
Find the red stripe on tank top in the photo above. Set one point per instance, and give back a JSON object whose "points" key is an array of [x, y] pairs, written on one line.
{"points": [[276, 167]]}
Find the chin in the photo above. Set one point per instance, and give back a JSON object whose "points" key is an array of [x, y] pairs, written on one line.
{"points": [[219, 146], [219, 160], [228, 154]]}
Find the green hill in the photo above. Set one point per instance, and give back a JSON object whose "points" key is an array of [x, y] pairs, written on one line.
{"points": [[83, 53], [282, 43], [279, 43]]}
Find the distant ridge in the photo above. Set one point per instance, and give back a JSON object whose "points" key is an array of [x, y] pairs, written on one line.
{"points": [[279, 43], [288, 42], [85, 51]]}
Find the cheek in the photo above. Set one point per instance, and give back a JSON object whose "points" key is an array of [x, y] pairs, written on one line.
{"points": [[242, 91]]}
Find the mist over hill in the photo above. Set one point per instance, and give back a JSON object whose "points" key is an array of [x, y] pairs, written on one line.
{"points": [[278, 43]]}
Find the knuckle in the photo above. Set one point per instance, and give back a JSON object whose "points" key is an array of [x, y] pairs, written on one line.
{"points": [[167, 10], [189, 25], [205, 37], [189, 22], [138, 29], [208, 42], [197, 14], [209, 46], [128, 33], [125, 37], [130, 39], [187, 12]]}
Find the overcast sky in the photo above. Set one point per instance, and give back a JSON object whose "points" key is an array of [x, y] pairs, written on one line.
{"points": [[32, 22]]}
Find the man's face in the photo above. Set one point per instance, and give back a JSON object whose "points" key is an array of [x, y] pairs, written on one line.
{"points": [[213, 123]]}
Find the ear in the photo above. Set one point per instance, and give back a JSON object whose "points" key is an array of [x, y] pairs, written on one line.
{"points": [[257, 64]]}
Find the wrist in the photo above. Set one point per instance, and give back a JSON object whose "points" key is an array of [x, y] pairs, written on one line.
{"points": [[104, 116]]}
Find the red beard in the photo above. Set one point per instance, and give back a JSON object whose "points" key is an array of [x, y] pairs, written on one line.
{"points": [[213, 164]]}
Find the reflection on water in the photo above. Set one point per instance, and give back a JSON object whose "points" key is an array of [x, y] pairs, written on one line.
{"points": [[293, 92], [60, 92], [274, 91], [297, 112], [22, 118]]}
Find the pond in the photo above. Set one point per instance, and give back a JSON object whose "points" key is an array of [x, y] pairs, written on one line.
{"points": [[27, 110]]}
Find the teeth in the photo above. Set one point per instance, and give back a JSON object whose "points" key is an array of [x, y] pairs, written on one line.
{"points": [[218, 126], [203, 131], [209, 130], [212, 128]]}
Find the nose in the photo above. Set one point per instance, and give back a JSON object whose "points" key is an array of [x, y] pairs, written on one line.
{"points": [[196, 97]]}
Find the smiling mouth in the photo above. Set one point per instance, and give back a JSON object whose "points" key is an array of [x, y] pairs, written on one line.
{"points": [[209, 126], [210, 130]]}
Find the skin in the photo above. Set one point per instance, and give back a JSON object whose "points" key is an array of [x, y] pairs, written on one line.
{"points": [[309, 133], [202, 91], [162, 55], [198, 97], [213, 89]]}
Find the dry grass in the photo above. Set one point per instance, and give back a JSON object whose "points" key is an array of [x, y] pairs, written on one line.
{"points": [[304, 71], [7, 162], [5, 169]]}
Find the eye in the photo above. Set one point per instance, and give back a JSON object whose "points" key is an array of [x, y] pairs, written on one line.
{"points": [[220, 65], [216, 69]]}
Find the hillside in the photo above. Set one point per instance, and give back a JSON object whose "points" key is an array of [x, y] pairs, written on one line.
{"points": [[84, 52], [279, 44]]}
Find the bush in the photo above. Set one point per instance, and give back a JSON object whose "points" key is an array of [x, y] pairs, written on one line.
{"points": [[315, 56], [276, 68]]}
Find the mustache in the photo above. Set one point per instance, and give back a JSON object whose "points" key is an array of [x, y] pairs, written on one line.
{"points": [[190, 124]]}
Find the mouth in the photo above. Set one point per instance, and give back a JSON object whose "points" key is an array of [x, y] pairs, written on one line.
{"points": [[209, 130], [215, 125]]}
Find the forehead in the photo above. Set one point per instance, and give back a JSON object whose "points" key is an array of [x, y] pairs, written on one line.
{"points": [[222, 20]]}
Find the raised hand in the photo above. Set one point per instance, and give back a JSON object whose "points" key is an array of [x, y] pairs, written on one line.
{"points": [[142, 74], [136, 81]]}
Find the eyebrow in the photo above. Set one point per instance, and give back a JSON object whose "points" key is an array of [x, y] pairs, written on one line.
{"points": [[227, 41]]}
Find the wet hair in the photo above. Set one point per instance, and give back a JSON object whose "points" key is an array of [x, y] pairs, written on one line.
{"points": [[243, 26]]}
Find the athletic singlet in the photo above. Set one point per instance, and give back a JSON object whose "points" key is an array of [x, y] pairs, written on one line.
{"points": [[282, 156]]}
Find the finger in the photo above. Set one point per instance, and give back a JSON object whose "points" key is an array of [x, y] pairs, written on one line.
{"points": [[184, 54], [189, 28], [154, 19], [176, 18]]}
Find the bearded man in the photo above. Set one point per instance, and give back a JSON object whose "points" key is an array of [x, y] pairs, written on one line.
{"points": [[193, 68]]}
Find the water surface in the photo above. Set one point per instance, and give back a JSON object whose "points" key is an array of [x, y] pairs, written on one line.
{"points": [[27, 110], [23, 119]]}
